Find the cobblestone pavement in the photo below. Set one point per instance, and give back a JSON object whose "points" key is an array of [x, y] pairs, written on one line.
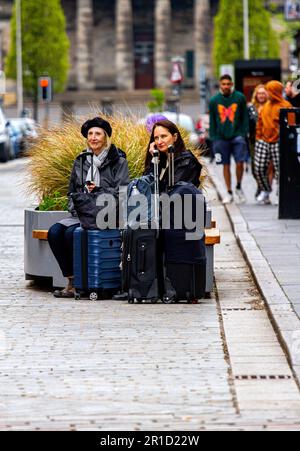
{"points": [[112, 366]]}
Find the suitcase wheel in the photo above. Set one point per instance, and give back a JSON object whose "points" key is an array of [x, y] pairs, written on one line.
{"points": [[194, 301], [77, 297], [154, 301], [130, 297], [94, 297], [167, 300], [190, 299]]}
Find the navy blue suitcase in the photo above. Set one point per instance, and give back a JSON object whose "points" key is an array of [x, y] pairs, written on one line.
{"points": [[97, 259]]}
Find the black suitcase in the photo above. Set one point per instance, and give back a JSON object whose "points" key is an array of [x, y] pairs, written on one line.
{"points": [[142, 256], [185, 261], [161, 264], [142, 265]]}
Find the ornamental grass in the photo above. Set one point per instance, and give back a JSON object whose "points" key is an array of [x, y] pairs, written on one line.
{"points": [[53, 154]]}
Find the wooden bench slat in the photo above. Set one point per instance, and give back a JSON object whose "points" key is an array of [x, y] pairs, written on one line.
{"points": [[40, 235], [212, 236]]}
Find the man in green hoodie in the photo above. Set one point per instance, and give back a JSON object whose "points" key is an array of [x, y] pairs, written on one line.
{"points": [[229, 127]]}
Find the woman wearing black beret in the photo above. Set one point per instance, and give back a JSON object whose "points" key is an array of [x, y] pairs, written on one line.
{"points": [[110, 172]]}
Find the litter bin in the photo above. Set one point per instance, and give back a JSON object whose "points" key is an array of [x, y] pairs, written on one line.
{"points": [[289, 196]]}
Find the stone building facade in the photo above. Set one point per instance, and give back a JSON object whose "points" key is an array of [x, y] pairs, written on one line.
{"points": [[129, 44]]}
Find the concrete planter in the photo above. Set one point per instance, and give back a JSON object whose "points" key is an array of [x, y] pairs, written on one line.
{"points": [[38, 258]]}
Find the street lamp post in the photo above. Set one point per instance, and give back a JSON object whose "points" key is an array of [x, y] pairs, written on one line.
{"points": [[19, 57], [246, 30]]}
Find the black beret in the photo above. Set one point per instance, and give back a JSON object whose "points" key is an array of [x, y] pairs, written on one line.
{"points": [[96, 122]]}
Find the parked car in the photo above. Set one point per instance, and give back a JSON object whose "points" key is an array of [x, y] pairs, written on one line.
{"points": [[16, 135], [28, 128], [6, 148], [183, 120]]}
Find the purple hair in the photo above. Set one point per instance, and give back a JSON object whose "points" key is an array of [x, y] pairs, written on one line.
{"points": [[152, 120]]}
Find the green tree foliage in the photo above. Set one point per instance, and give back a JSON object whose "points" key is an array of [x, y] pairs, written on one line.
{"points": [[45, 45], [229, 38], [157, 102]]}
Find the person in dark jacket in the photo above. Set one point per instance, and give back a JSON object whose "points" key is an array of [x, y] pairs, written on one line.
{"points": [[110, 172], [187, 168], [292, 93]]}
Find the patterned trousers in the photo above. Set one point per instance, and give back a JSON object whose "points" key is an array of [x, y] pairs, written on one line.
{"points": [[264, 154]]}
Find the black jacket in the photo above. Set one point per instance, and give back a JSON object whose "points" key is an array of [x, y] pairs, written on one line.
{"points": [[187, 169], [295, 101], [114, 173]]}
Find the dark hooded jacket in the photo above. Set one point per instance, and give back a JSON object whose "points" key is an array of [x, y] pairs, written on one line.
{"points": [[187, 169]]}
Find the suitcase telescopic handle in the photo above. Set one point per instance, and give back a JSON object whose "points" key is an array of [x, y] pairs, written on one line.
{"points": [[171, 156], [156, 187]]}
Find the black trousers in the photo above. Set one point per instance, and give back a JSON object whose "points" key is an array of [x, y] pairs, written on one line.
{"points": [[61, 239]]}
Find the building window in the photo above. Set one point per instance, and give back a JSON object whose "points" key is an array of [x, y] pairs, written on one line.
{"points": [[189, 65]]}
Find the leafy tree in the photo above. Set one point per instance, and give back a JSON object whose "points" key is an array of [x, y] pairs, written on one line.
{"points": [[229, 37], [45, 46]]}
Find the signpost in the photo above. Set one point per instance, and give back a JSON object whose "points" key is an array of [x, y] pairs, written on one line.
{"points": [[203, 89], [177, 79], [45, 96]]}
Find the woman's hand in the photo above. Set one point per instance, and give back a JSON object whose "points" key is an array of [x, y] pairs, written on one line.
{"points": [[152, 148], [91, 187]]}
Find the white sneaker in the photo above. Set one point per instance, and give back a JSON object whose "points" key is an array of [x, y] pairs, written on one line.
{"points": [[264, 198], [228, 199], [240, 195]]}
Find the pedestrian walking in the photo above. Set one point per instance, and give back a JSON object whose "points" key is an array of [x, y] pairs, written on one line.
{"points": [[267, 144], [259, 99], [229, 127], [109, 173]]}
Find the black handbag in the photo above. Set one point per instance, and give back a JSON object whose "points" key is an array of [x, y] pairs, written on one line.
{"points": [[86, 209]]}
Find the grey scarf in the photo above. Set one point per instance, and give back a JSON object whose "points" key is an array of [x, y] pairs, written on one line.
{"points": [[97, 163]]}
